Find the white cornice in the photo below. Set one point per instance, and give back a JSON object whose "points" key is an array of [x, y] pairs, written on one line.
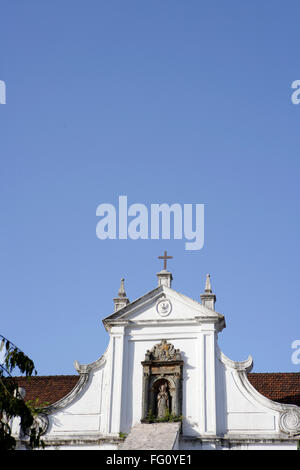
{"points": [[202, 313]]}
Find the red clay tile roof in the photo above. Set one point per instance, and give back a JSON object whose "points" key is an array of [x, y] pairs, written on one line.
{"points": [[281, 387], [48, 389]]}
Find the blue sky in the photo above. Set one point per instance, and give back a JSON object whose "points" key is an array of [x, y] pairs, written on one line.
{"points": [[173, 101]]}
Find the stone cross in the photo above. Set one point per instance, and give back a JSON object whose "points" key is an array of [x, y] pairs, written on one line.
{"points": [[165, 258]]}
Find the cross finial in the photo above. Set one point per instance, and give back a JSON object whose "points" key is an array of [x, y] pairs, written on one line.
{"points": [[165, 258]]}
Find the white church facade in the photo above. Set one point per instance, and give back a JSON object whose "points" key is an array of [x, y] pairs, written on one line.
{"points": [[163, 374]]}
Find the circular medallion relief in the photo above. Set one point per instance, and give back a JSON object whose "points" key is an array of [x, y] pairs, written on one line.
{"points": [[290, 421], [164, 307]]}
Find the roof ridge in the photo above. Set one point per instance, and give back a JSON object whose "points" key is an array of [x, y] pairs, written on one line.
{"points": [[273, 373], [43, 376]]}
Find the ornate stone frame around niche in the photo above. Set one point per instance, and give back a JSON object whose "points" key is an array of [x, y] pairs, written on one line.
{"points": [[163, 364]]}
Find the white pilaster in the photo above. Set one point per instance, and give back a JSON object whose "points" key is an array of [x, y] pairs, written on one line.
{"points": [[208, 419], [117, 338]]}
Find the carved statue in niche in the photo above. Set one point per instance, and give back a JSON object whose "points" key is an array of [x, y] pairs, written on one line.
{"points": [[162, 381], [162, 401]]}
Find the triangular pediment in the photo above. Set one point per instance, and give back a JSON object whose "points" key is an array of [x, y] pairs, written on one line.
{"points": [[163, 304]]}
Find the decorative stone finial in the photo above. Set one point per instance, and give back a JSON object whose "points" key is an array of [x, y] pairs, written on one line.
{"points": [[208, 284], [121, 301], [122, 292], [208, 298]]}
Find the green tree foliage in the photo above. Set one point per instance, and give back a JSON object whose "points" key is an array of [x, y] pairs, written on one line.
{"points": [[12, 404]]}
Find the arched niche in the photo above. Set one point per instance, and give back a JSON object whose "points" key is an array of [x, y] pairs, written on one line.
{"points": [[162, 366]]}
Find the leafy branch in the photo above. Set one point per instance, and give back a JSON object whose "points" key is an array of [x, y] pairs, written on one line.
{"points": [[12, 404], [14, 357]]}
